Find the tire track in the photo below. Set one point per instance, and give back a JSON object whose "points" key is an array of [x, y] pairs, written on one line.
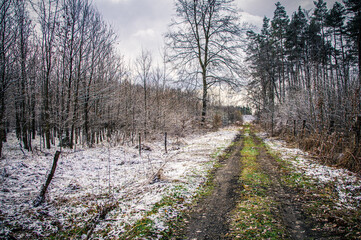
{"points": [[292, 217], [210, 219]]}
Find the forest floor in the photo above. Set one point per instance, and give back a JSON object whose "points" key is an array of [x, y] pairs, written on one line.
{"points": [[235, 183]]}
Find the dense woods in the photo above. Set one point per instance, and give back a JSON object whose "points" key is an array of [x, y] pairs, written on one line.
{"points": [[306, 78], [62, 79]]}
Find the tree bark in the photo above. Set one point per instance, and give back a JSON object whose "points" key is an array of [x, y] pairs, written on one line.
{"points": [[204, 98]]}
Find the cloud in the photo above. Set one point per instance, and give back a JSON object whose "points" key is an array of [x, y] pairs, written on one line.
{"points": [[116, 1], [142, 23], [137, 23], [252, 19], [266, 7], [146, 33]]}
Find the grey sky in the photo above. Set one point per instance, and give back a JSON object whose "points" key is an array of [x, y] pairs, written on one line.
{"points": [[142, 23]]}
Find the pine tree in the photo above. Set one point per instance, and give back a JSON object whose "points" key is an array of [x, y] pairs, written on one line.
{"points": [[335, 20], [279, 25], [295, 43], [354, 28]]}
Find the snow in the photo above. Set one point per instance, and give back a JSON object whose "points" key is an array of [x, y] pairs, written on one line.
{"points": [[248, 118], [346, 183], [90, 177]]}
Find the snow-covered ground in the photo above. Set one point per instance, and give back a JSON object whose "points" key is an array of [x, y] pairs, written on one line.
{"points": [[346, 183], [89, 177]]}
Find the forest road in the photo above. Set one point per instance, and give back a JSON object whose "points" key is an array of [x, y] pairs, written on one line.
{"points": [[211, 216], [209, 219]]}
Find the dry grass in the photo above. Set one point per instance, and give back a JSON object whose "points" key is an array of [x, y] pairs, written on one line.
{"points": [[351, 159], [332, 149]]}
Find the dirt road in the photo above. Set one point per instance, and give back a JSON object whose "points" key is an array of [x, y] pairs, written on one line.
{"points": [[211, 217], [256, 197]]}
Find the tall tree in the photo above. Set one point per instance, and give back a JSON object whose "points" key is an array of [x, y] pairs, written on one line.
{"points": [[295, 44], [335, 20], [7, 37], [354, 27], [207, 34], [280, 23], [48, 17], [22, 55], [144, 64]]}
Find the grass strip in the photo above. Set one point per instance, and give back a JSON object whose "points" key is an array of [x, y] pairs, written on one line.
{"points": [[172, 209], [253, 217]]}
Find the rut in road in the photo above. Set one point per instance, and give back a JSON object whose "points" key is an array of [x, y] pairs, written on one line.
{"points": [[291, 215], [210, 218]]}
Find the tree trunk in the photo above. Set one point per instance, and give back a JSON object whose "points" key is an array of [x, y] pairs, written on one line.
{"points": [[359, 64], [204, 97], [2, 127], [46, 111]]}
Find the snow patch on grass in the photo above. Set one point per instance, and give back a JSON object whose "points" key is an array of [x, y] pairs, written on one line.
{"points": [[346, 183], [91, 177]]}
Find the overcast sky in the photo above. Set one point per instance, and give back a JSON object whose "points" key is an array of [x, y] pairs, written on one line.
{"points": [[142, 23]]}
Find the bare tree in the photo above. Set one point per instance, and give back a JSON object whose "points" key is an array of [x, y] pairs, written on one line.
{"points": [[207, 34], [48, 14], [21, 52], [7, 37], [143, 65]]}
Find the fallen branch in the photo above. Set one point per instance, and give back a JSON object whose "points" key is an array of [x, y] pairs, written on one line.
{"points": [[157, 176]]}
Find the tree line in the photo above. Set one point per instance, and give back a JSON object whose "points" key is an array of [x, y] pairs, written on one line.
{"points": [[62, 79], [306, 73]]}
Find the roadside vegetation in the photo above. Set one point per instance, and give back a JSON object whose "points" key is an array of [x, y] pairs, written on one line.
{"points": [[320, 203]]}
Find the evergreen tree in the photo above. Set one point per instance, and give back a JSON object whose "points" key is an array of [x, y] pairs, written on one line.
{"points": [[279, 24], [335, 20], [295, 42], [354, 28]]}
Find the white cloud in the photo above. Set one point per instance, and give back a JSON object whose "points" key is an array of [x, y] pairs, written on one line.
{"points": [[137, 23], [147, 33], [117, 1], [252, 19], [142, 23]]}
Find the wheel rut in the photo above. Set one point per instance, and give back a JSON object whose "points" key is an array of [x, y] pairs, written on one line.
{"points": [[210, 218], [289, 211]]}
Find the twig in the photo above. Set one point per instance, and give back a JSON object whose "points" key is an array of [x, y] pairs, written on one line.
{"points": [[104, 210]]}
